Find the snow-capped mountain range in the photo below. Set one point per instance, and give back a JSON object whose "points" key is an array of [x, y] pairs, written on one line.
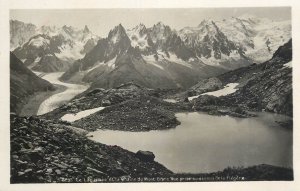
{"points": [[59, 46], [256, 38], [178, 58]]}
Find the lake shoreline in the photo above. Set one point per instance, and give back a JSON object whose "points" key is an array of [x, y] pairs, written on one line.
{"points": [[93, 162], [195, 138]]}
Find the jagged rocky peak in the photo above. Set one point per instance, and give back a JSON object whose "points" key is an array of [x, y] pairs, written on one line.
{"points": [[140, 28], [207, 40], [160, 24], [117, 34], [205, 22], [160, 27], [140, 37], [159, 34], [86, 29], [69, 29], [209, 26]]}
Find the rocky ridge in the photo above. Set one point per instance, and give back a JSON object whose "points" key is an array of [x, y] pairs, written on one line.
{"points": [[119, 59], [262, 87]]}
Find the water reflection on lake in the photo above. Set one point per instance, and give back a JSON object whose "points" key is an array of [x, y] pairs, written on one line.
{"points": [[206, 143]]}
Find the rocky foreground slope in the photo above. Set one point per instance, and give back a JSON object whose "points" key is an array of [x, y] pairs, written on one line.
{"points": [[46, 152], [23, 84], [42, 151]]}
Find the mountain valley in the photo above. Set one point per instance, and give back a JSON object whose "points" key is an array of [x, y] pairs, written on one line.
{"points": [[67, 85]]}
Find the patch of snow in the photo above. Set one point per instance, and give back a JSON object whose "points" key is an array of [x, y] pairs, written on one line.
{"points": [[111, 63], [68, 52], [173, 58], [191, 59], [141, 42], [212, 61], [114, 39], [81, 114], [193, 97], [39, 42], [38, 73], [151, 60], [95, 66], [74, 41], [228, 89], [37, 59], [170, 100], [33, 64], [288, 65], [209, 61], [137, 38]]}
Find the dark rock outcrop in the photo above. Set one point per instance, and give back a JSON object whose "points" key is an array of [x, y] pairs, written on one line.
{"points": [[146, 156]]}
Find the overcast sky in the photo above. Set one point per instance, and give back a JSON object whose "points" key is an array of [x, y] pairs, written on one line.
{"points": [[101, 21]]}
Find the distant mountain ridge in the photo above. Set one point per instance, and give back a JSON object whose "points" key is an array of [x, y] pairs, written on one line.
{"points": [[118, 59], [179, 57], [50, 48], [157, 56], [250, 36]]}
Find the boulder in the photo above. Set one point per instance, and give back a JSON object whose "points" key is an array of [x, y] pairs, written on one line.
{"points": [[205, 100], [57, 171], [106, 103], [145, 156], [34, 155]]}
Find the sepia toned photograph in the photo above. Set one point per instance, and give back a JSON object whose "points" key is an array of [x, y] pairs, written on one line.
{"points": [[151, 95]]}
